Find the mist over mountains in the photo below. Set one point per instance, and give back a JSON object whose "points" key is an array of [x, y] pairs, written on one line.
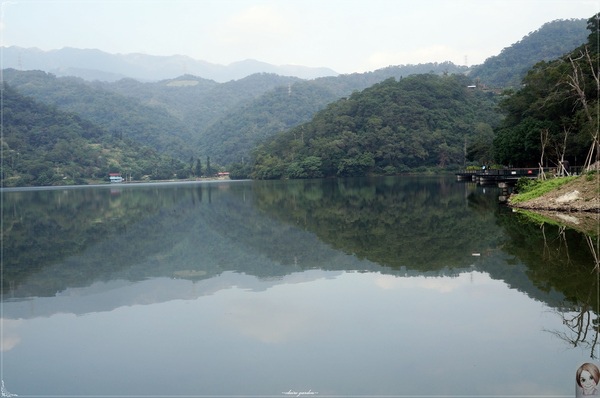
{"points": [[507, 68], [92, 64], [163, 127]]}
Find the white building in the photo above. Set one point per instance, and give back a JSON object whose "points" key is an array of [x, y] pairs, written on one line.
{"points": [[115, 177]]}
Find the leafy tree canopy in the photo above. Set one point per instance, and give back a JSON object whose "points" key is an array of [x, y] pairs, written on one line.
{"points": [[551, 41], [555, 113], [44, 146], [391, 127]]}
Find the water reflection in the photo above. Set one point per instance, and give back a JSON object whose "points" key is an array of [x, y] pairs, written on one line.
{"points": [[60, 239], [340, 286], [420, 225]]}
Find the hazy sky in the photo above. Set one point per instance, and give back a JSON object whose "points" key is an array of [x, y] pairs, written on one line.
{"points": [[345, 35]]}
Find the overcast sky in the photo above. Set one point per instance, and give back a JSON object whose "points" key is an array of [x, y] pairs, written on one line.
{"points": [[345, 35]]}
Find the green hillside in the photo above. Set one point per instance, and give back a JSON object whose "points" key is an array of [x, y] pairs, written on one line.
{"points": [[232, 138], [551, 41], [147, 125], [554, 116], [44, 146], [394, 126], [191, 118], [197, 102]]}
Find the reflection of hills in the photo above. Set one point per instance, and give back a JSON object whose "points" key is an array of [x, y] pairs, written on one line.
{"points": [[422, 224], [73, 237], [556, 258], [109, 295], [193, 232], [270, 230]]}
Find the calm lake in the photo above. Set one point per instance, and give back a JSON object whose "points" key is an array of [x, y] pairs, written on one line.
{"points": [[399, 286]]}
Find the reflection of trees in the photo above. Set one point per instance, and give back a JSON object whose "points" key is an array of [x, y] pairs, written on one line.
{"points": [[419, 223], [563, 260], [582, 326], [273, 228], [561, 238], [557, 258], [266, 229], [585, 320], [50, 229], [581, 321], [594, 249]]}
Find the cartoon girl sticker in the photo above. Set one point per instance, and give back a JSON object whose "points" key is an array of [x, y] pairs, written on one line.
{"points": [[588, 376]]}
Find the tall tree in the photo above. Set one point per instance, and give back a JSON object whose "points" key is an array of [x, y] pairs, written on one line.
{"points": [[209, 170], [198, 169]]}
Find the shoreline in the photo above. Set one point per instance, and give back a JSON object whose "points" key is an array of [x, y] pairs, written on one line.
{"points": [[576, 204], [119, 184]]}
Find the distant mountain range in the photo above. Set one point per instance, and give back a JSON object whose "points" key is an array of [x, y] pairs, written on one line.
{"points": [[505, 69], [90, 64], [193, 116]]}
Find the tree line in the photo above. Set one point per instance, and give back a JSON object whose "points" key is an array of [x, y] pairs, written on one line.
{"points": [[553, 117], [445, 122], [44, 146], [414, 123]]}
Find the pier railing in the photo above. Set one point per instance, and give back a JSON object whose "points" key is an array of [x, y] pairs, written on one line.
{"points": [[489, 176]]}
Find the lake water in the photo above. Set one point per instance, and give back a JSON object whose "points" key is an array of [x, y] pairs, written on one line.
{"points": [[404, 286]]}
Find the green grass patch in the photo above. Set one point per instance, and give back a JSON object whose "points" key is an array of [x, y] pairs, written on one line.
{"points": [[536, 218], [537, 188]]}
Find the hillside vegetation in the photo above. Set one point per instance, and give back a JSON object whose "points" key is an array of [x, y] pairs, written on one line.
{"points": [[123, 116], [409, 117], [190, 117], [549, 42], [394, 126], [554, 116], [44, 146]]}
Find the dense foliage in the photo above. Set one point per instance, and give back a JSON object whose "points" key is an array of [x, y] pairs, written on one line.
{"points": [[233, 136], [551, 41], [391, 127], [191, 118], [198, 102], [44, 146], [555, 114], [148, 125]]}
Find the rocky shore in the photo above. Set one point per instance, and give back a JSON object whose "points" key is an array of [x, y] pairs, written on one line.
{"points": [[575, 204]]}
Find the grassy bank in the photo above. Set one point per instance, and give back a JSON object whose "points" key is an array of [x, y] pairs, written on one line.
{"points": [[532, 189]]}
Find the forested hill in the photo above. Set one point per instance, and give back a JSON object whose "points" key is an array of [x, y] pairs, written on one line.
{"points": [[394, 126], [127, 117], [551, 41], [195, 101], [193, 117], [231, 138], [554, 116], [44, 146]]}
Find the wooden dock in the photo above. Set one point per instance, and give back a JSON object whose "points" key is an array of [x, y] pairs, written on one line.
{"points": [[495, 176]]}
